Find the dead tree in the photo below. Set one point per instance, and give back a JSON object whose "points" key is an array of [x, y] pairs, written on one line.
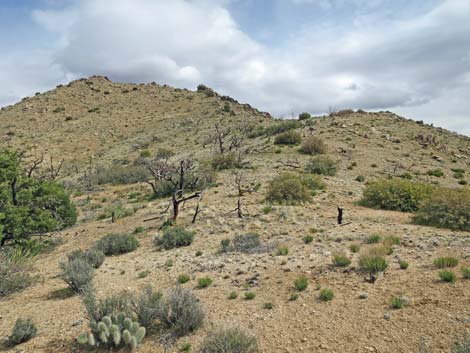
{"points": [[181, 177], [242, 189], [53, 171]]}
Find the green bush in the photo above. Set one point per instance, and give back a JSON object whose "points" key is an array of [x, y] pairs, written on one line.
{"points": [[340, 260], [447, 276], [304, 116], [23, 331], [250, 295], [93, 256], [183, 278], [301, 283], [321, 165], [465, 272], [435, 172], [290, 137], [354, 248], [288, 188], [373, 239], [77, 273], [396, 194], [399, 302], [326, 295], [175, 237], [233, 295], [446, 261], [246, 243], [447, 208], [372, 264], [180, 312], [30, 206], [360, 178], [307, 239], [282, 250], [313, 145], [404, 265], [229, 340], [204, 282], [116, 244]]}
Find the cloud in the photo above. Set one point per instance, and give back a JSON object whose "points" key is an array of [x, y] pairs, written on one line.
{"points": [[418, 65]]}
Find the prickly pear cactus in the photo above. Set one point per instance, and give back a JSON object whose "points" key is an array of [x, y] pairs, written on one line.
{"points": [[114, 331]]}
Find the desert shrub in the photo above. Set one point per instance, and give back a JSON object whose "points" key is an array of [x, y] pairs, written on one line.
{"points": [[372, 264], [399, 302], [301, 283], [250, 295], [233, 295], [229, 340], [396, 194], [116, 244], [288, 188], [24, 330], [183, 278], [120, 175], [93, 256], [321, 165], [465, 272], [435, 172], [340, 260], [354, 248], [282, 250], [146, 306], [175, 237], [279, 127], [307, 239], [360, 178], [77, 273], [223, 161], [117, 210], [121, 302], [313, 182], [180, 311], [447, 276], [391, 240], [290, 137], [204, 282], [404, 265], [326, 295], [225, 245], [30, 206], [373, 239], [447, 208], [313, 145], [246, 243], [13, 273], [446, 261], [304, 116], [379, 250]]}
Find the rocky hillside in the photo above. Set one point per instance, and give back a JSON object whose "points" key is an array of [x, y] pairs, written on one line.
{"points": [[117, 124]]}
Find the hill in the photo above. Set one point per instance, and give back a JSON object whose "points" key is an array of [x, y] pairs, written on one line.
{"points": [[106, 129]]}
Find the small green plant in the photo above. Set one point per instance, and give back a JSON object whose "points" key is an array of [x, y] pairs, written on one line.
{"points": [[229, 340], [233, 295], [373, 239], [282, 250], [198, 253], [435, 172], [340, 260], [307, 239], [139, 230], [321, 165], [301, 283], [391, 240], [360, 178], [268, 306], [225, 245], [174, 237], [116, 244], [294, 297], [288, 189], [143, 274], [204, 282], [354, 248], [183, 278], [250, 295], [185, 347], [399, 302], [403, 265], [446, 261], [23, 331], [326, 295], [267, 209], [304, 116], [93, 256], [447, 276], [465, 272], [372, 264]]}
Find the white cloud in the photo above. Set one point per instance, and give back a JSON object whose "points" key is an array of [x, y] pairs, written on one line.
{"points": [[418, 66]]}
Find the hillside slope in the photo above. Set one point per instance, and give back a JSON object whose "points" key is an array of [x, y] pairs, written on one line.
{"points": [[131, 119]]}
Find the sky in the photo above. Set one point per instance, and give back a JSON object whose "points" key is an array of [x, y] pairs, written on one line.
{"points": [[282, 56]]}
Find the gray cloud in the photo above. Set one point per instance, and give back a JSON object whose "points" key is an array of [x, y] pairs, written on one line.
{"points": [[418, 66]]}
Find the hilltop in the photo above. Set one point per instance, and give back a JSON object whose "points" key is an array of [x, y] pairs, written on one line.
{"points": [[120, 126]]}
